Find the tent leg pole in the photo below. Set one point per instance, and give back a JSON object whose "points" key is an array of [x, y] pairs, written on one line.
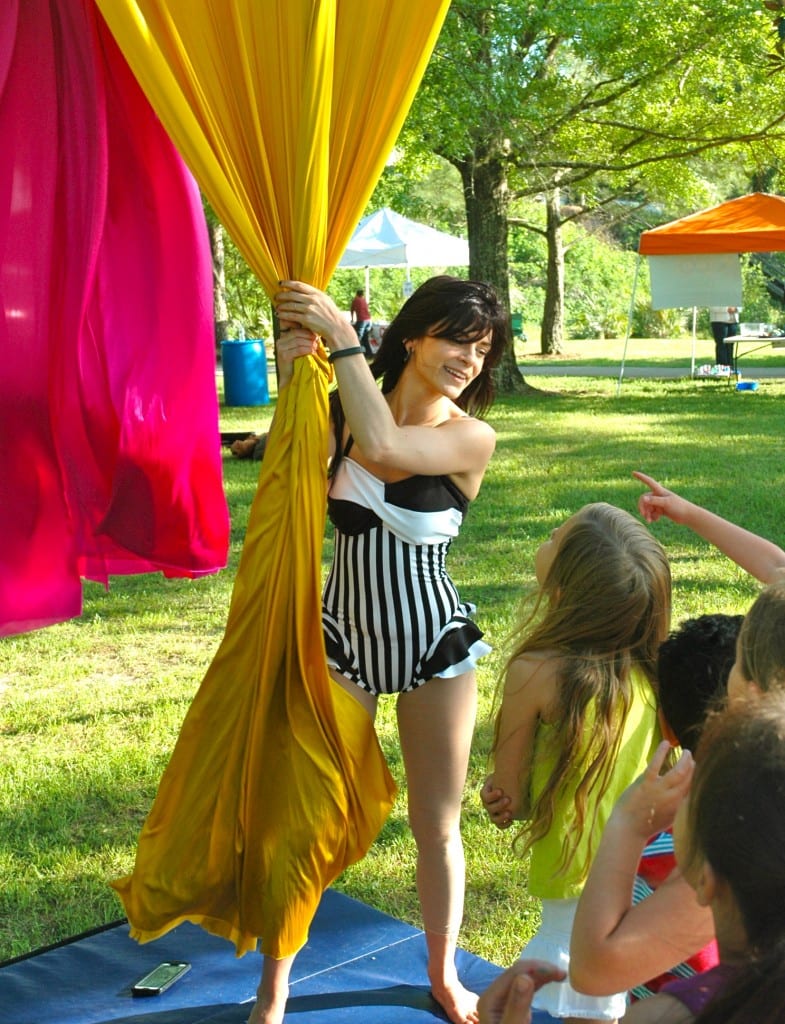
{"points": [[629, 325], [694, 332]]}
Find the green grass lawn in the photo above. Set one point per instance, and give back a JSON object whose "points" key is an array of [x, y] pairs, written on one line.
{"points": [[90, 709]]}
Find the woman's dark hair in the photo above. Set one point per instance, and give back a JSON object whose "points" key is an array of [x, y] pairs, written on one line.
{"points": [[447, 307], [442, 307], [736, 821]]}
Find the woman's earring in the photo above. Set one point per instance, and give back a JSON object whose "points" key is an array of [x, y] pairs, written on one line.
{"points": [[406, 353]]}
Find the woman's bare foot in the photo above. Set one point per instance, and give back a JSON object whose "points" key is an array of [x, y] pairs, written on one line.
{"points": [[273, 992], [269, 1010], [458, 1002]]}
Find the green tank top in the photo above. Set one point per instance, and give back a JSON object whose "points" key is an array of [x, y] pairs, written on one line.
{"points": [[640, 739]]}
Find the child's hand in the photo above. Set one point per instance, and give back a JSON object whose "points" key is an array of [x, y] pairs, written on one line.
{"points": [[659, 501], [496, 804], [649, 805], [508, 998]]}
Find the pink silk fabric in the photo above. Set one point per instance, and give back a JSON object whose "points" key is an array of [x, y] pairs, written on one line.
{"points": [[108, 406]]}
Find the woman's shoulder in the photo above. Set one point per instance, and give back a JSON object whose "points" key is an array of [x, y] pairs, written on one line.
{"points": [[476, 422], [457, 420]]}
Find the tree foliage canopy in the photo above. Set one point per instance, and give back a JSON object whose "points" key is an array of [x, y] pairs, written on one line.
{"points": [[566, 94]]}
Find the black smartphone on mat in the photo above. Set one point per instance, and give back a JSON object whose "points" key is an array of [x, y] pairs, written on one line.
{"points": [[160, 978]]}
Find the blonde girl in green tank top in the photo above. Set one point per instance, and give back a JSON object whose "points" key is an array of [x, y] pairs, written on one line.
{"points": [[577, 719]]}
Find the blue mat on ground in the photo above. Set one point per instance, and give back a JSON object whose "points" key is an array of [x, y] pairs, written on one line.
{"points": [[359, 966]]}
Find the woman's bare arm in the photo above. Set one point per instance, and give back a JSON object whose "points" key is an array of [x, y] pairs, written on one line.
{"points": [[456, 446]]}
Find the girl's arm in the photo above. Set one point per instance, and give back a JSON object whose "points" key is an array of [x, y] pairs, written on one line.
{"points": [[757, 556], [460, 445], [614, 944], [529, 690], [658, 1009]]}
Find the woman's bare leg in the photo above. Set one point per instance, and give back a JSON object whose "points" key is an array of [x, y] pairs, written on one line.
{"points": [[366, 700], [273, 991], [436, 725]]}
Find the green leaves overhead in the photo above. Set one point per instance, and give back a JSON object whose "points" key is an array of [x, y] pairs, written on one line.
{"points": [[563, 92]]}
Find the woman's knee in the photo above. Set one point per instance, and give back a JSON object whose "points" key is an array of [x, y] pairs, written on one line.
{"points": [[436, 829]]}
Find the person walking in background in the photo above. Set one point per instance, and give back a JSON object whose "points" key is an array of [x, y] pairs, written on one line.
{"points": [[724, 325], [361, 320], [578, 718]]}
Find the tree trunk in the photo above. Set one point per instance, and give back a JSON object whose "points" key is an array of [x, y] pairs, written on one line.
{"points": [[487, 198], [220, 311], [552, 334]]}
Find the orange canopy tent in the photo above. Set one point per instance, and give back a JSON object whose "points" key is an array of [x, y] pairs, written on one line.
{"points": [[753, 223], [694, 262]]}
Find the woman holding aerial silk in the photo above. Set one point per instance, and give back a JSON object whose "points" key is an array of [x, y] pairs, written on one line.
{"points": [[405, 461], [261, 100]]}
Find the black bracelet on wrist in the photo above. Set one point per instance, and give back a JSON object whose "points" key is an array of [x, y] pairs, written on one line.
{"points": [[339, 353]]}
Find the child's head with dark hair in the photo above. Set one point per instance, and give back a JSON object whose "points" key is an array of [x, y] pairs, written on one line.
{"points": [[760, 652], [730, 841], [693, 665]]}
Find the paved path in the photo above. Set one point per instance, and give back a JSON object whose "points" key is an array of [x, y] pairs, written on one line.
{"points": [[661, 372], [557, 369]]}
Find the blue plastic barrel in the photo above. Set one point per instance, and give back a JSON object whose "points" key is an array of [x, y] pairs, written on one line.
{"points": [[245, 372]]}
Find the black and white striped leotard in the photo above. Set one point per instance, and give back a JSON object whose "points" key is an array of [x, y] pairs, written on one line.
{"points": [[392, 616]]}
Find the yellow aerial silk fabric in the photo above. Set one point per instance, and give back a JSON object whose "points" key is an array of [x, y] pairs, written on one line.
{"points": [[285, 111]]}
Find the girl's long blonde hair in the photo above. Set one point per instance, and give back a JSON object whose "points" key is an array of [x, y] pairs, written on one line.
{"points": [[603, 609], [762, 639]]}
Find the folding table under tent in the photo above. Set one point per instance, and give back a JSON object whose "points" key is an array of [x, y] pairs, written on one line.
{"points": [[694, 261]]}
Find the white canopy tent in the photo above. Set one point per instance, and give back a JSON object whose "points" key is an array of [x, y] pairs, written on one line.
{"points": [[387, 239]]}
